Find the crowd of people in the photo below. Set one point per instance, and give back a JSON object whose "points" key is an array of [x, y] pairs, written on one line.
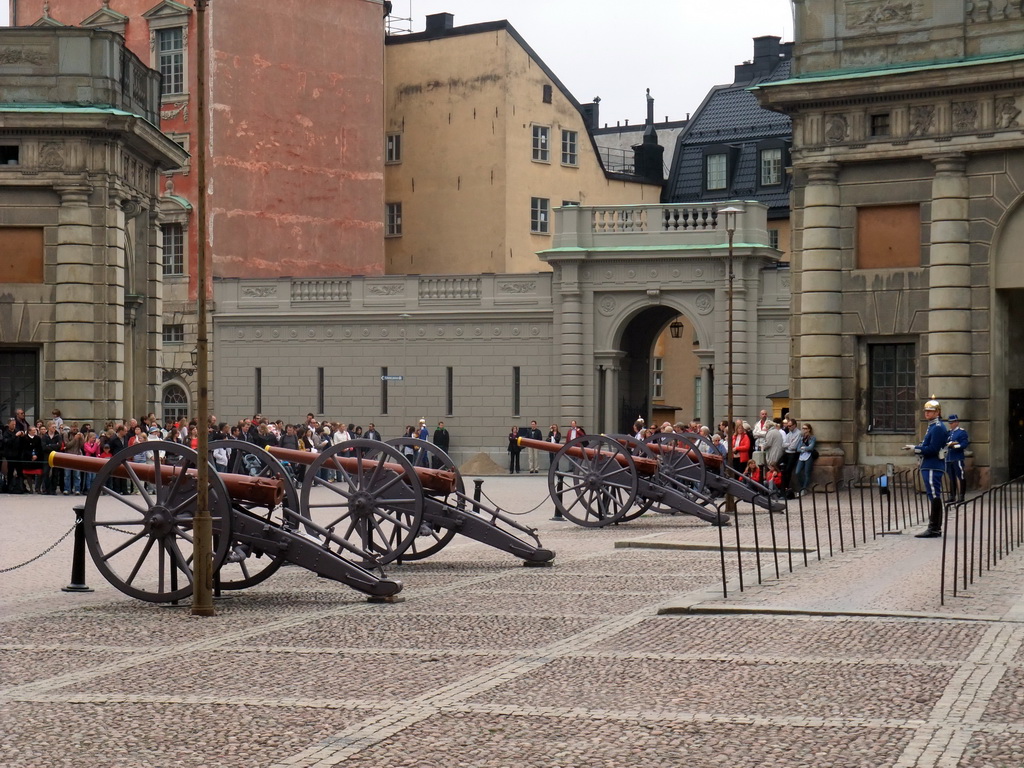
{"points": [[776, 452], [25, 447]]}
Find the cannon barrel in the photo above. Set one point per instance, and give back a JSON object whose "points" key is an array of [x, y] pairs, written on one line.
{"points": [[644, 466], [711, 460], [265, 491], [437, 480]]}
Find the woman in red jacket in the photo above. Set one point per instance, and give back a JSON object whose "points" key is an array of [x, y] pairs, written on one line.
{"points": [[740, 446]]}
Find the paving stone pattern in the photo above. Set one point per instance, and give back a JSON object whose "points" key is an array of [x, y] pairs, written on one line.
{"points": [[489, 664]]}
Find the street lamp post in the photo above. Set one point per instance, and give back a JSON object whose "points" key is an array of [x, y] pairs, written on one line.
{"points": [[202, 564], [730, 228]]}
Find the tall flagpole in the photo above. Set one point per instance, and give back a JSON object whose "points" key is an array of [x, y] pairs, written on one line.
{"points": [[202, 527]]}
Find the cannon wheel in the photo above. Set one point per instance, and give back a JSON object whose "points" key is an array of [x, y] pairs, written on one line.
{"points": [[431, 539], [374, 508], [256, 566], [678, 464], [141, 541], [599, 486], [637, 448]]}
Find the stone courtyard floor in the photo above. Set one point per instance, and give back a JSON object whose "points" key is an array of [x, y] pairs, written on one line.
{"points": [[621, 654]]}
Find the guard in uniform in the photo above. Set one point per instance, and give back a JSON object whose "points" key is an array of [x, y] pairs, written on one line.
{"points": [[933, 466], [958, 441]]}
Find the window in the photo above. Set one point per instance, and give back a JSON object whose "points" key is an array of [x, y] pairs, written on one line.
{"points": [[539, 215], [320, 390], [891, 400], [715, 171], [658, 379], [175, 403], [540, 143], [516, 390], [889, 236], [393, 220], [9, 154], [547, 93], [773, 238], [880, 124], [258, 391], [173, 240], [19, 382], [393, 148], [771, 167], [569, 154], [449, 391], [174, 334], [170, 45], [384, 391]]}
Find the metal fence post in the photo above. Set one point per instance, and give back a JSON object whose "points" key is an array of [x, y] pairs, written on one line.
{"points": [[78, 556]]}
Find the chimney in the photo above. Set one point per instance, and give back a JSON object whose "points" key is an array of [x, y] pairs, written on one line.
{"points": [[440, 22], [591, 113], [649, 156]]}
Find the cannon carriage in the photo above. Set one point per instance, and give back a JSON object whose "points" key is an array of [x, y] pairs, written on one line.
{"points": [[445, 509], [602, 480], [375, 508]]}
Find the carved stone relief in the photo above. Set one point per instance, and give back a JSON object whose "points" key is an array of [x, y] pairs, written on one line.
{"points": [[393, 289], [1007, 112], [523, 286], [51, 156], [880, 12], [259, 291], [704, 302], [35, 57], [173, 110], [607, 305], [965, 115], [835, 128], [922, 120]]}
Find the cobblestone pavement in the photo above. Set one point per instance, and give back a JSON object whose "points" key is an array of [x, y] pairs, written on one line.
{"points": [[848, 662]]}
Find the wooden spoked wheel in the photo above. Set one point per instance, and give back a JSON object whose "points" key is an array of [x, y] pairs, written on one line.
{"points": [[139, 518], [642, 503], [593, 481], [244, 565], [681, 463], [368, 500], [431, 537]]}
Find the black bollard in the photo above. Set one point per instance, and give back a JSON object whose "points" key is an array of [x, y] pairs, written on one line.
{"points": [[78, 558], [478, 491], [558, 518]]}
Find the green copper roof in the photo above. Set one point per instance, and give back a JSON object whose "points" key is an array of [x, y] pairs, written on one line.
{"points": [[71, 109], [180, 201], [895, 69]]}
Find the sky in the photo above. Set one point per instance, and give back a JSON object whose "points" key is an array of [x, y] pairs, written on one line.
{"points": [[616, 50]]}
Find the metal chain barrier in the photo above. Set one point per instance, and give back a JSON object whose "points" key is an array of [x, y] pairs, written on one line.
{"points": [[46, 551]]}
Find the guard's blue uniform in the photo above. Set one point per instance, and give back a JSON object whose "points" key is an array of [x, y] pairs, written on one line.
{"points": [[957, 441], [932, 465]]}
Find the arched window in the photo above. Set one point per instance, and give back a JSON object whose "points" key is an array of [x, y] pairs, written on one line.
{"points": [[175, 403]]}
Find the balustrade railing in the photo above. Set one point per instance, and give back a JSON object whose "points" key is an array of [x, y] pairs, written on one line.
{"points": [[449, 288], [310, 291], [663, 218]]}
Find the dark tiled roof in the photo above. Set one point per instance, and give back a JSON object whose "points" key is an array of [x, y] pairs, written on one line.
{"points": [[731, 115]]}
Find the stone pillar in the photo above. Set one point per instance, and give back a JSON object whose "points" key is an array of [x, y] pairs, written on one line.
{"points": [[707, 405], [949, 287], [819, 331], [571, 352], [77, 359]]}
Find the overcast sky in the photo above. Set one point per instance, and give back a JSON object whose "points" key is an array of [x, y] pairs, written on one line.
{"points": [[606, 48]]}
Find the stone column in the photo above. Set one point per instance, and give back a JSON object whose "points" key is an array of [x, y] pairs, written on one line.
{"points": [[707, 405], [78, 351], [571, 352], [819, 329], [949, 287]]}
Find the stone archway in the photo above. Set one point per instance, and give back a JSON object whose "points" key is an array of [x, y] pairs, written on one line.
{"points": [[1007, 339], [643, 370]]}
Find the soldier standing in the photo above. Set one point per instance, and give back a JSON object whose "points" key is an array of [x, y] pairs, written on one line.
{"points": [[957, 443], [932, 465]]}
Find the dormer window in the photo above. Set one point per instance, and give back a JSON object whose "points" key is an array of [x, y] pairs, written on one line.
{"points": [[716, 168]]}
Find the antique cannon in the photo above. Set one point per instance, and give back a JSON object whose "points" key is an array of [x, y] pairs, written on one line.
{"points": [[139, 513], [599, 480], [410, 531], [720, 478]]}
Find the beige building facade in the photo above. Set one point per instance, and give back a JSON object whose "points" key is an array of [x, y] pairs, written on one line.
{"points": [[482, 143], [81, 157], [908, 274]]}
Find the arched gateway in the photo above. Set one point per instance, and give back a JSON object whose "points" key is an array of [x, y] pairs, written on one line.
{"points": [[623, 275]]}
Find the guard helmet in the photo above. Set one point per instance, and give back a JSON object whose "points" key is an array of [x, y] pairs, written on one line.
{"points": [[932, 405]]}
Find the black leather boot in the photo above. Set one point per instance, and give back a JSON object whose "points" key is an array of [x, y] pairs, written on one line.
{"points": [[934, 529]]}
